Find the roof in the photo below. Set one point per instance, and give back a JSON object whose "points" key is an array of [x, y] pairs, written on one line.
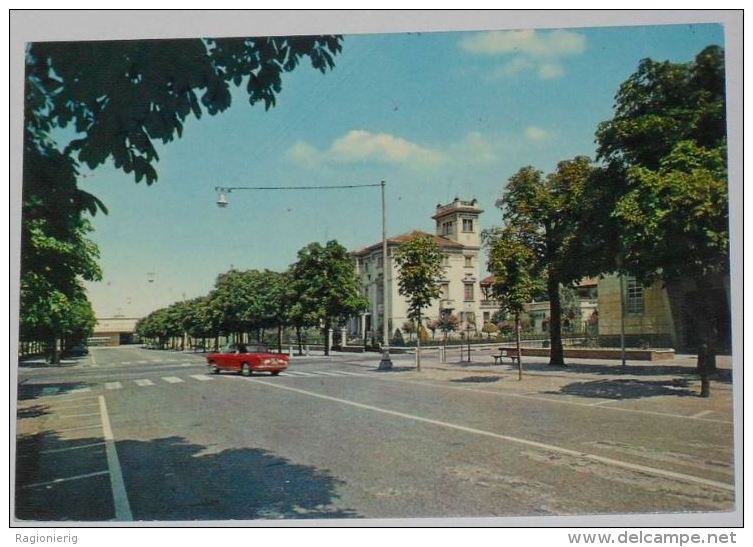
{"points": [[115, 324], [585, 282], [440, 241]]}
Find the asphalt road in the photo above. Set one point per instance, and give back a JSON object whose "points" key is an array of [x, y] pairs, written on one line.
{"points": [[132, 434]]}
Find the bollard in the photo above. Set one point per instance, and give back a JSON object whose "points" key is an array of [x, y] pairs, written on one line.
{"points": [[702, 367]]}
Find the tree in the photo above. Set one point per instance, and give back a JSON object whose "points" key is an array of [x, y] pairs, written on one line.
{"points": [[410, 328], [327, 286], [666, 147], [546, 214], [419, 263], [447, 323], [517, 269], [489, 328]]}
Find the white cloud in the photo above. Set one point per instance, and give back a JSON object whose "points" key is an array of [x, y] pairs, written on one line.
{"points": [[552, 44], [359, 145], [362, 145], [534, 51], [548, 71], [536, 133]]}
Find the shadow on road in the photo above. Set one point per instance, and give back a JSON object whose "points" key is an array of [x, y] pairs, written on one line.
{"points": [[627, 389], [172, 479], [41, 363], [34, 391], [169, 479], [32, 412], [721, 375], [477, 379]]}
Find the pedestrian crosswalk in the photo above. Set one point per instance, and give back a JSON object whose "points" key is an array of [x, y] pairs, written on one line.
{"points": [[155, 381]]}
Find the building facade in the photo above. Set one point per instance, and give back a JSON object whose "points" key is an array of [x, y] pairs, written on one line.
{"points": [[457, 232]]}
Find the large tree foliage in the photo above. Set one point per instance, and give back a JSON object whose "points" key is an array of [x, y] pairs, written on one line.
{"points": [[666, 149], [517, 272], [327, 287], [419, 265], [121, 98], [547, 214]]}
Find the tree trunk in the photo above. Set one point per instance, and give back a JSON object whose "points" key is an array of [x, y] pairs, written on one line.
{"points": [[517, 346], [326, 338], [54, 354], [279, 338], [556, 355], [418, 344], [298, 337]]}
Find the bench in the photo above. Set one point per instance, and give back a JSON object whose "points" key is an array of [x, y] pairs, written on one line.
{"points": [[512, 355]]}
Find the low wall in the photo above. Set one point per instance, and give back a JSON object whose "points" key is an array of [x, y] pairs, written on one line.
{"points": [[632, 354]]}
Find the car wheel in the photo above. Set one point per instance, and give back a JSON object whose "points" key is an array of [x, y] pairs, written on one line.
{"points": [[212, 368], [245, 369], [275, 372]]}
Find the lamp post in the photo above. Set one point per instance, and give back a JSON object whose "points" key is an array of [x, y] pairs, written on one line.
{"points": [[222, 201]]}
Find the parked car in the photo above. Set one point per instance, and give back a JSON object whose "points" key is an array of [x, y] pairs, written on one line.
{"points": [[247, 359]]}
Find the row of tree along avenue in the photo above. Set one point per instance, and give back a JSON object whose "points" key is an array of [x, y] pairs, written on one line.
{"points": [[119, 98], [319, 290], [654, 205]]}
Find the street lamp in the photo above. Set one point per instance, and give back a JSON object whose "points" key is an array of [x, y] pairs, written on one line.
{"points": [[222, 201]]}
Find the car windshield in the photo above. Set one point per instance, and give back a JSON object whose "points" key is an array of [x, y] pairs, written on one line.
{"points": [[243, 348]]}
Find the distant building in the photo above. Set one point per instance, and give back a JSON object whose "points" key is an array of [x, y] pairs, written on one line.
{"points": [[114, 331], [458, 234], [538, 312], [672, 315]]}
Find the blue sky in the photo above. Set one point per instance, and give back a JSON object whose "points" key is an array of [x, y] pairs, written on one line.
{"points": [[436, 115]]}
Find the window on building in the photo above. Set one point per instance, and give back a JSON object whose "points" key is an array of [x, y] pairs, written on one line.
{"points": [[468, 261], [487, 316], [467, 225], [468, 291], [447, 228], [379, 294], [444, 291], [380, 262], [634, 296]]}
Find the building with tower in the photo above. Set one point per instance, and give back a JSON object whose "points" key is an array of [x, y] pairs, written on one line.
{"points": [[457, 232]]}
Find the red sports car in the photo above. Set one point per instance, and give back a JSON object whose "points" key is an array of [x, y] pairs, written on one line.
{"points": [[247, 359]]}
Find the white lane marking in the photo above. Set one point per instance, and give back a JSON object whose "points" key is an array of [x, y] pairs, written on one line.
{"points": [[702, 414], [188, 364], [126, 363], [79, 390], [201, 377], [517, 440], [77, 415], [113, 385], [56, 450], [158, 360], [141, 362], [323, 373], [119, 494], [143, 382], [547, 399], [65, 479], [172, 379], [294, 373], [348, 373]]}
